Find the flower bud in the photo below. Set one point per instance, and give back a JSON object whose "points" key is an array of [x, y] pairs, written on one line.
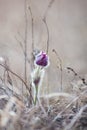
{"points": [[42, 59]]}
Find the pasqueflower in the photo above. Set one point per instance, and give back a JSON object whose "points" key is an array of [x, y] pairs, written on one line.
{"points": [[42, 59]]}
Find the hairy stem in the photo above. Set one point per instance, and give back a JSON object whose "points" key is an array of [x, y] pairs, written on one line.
{"points": [[36, 95]]}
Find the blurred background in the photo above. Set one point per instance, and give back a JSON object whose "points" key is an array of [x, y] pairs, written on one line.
{"points": [[67, 24]]}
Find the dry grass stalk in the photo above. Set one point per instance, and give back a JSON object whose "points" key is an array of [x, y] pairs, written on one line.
{"points": [[11, 112]]}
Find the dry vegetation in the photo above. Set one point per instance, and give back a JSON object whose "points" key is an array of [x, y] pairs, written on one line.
{"points": [[55, 111]]}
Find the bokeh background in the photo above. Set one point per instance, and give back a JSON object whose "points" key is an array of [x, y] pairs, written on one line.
{"points": [[67, 23]]}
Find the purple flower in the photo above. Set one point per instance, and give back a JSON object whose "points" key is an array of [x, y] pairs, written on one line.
{"points": [[42, 59]]}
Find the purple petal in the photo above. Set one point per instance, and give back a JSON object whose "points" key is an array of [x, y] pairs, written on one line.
{"points": [[41, 59]]}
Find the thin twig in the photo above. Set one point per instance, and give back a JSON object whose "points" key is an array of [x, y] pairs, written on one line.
{"points": [[41, 106], [46, 25], [25, 40], [67, 106], [48, 7], [61, 68], [47, 49], [20, 36], [76, 117], [32, 33], [76, 74], [18, 78], [32, 25], [21, 45]]}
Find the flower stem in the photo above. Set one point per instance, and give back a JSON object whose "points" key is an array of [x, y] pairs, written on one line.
{"points": [[36, 95]]}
